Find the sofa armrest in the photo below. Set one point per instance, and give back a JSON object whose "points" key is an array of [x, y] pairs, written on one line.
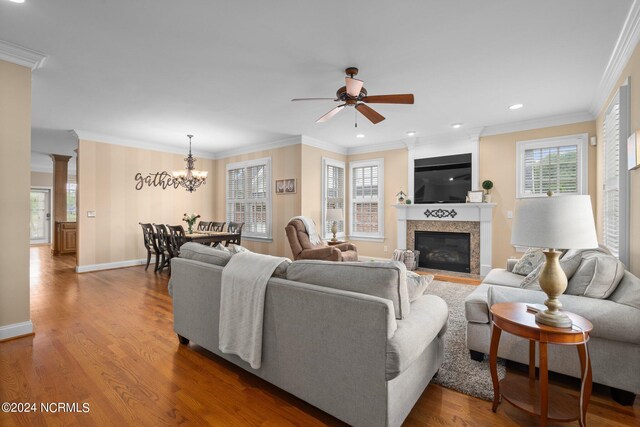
{"points": [[328, 253], [511, 262], [346, 247], [612, 321]]}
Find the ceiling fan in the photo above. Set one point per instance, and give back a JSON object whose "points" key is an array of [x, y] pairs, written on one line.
{"points": [[353, 94]]}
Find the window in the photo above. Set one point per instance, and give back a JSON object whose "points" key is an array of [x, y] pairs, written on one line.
{"points": [[553, 164], [332, 193], [249, 197], [615, 186], [367, 199], [71, 201]]}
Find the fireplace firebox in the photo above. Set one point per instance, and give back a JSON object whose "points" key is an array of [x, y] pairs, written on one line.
{"points": [[444, 250]]}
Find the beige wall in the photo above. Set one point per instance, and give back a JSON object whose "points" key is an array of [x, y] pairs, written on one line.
{"points": [[285, 163], [107, 186], [498, 163], [45, 179], [631, 71], [395, 178], [15, 158]]}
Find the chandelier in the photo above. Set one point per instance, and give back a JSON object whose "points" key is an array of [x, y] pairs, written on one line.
{"points": [[190, 178]]}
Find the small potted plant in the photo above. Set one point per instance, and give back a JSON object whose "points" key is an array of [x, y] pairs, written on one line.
{"points": [[190, 220], [487, 185]]}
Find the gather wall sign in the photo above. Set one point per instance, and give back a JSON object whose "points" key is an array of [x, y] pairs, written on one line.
{"points": [[161, 179]]}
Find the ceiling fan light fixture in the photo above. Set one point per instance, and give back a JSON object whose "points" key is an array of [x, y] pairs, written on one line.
{"points": [[516, 106]]}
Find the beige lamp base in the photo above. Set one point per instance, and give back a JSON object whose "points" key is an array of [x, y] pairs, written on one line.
{"points": [[553, 282], [334, 230]]}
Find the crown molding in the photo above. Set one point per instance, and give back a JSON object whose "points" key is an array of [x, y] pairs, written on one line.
{"points": [[625, 45], [329, 146], [21, 55], [385, 146], [293, 140], [109, 139], [539, 123]]}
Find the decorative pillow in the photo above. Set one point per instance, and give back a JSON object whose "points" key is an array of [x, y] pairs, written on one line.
{"points": [[531, 259], [384, 279], [597, 276], [236, 249], [568, 264], [628, 291], [417, 284], [202, 253]]}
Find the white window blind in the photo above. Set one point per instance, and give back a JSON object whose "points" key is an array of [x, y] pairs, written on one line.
{"points": [[555, 164], [249, 196], [367, 207], [333, 193], [611, 194]]}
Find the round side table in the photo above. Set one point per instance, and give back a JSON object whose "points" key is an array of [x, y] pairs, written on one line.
{"points": [[528, 394]]}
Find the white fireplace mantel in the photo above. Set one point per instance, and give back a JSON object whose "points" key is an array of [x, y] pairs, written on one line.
{"points": [[473, 212]]}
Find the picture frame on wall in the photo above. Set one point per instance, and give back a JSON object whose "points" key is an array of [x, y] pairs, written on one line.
{"points": [[475, 196], [633, 148], [286, 186]]}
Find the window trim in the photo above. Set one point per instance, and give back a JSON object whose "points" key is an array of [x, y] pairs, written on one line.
{"points": [[327, 161], [582, 156], [379, 236], [268, 236]]}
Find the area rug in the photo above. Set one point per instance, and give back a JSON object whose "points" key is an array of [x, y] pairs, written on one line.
{"points": [[459, 372]]}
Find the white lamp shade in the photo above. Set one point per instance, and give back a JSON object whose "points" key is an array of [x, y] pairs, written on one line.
{"points": [[558, 222], [334, 215]]}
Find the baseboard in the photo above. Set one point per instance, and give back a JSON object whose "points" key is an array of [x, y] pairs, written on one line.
{"points": [[111, 265], [16, 330]]}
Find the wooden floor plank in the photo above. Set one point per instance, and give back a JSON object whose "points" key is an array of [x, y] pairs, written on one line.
{"points": [[106, 338]]}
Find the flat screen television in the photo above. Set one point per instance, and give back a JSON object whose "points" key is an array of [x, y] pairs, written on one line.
{"points": [[443, 179]]}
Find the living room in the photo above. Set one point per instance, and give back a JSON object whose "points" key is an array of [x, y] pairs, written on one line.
{"points": [[117, 93]]}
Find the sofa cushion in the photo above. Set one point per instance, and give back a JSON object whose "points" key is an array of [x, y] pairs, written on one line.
{"points": [[428, 320], [568, 264], [476, 309], [502, 277], [628, 291], [531, 259], [597, 276], [385, 279], [417, 284], [202, 253]]}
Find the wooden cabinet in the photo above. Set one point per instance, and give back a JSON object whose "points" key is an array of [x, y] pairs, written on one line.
{"points": [[64, 241]]}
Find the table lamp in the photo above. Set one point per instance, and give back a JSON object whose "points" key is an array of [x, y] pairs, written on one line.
{"points": [[334, 215], [555, 222]]}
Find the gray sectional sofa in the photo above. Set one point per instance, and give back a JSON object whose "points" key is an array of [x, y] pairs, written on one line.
{"points": [[364, 359], [614, 344]]}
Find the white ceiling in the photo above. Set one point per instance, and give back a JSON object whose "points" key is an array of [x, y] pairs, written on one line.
{"points": [[155, 70]]}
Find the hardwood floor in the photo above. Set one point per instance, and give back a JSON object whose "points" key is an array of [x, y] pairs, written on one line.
{"points": [[106, 339]]}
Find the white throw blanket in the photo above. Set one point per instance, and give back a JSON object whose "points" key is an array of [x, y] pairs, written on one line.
{"points": [[244, 285], [314, 237]]}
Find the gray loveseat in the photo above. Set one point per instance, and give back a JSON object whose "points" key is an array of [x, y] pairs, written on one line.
{"points": [[614, 344], [342, 351]]}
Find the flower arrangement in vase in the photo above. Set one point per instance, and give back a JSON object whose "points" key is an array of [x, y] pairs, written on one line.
{"points": [[190, 220]]}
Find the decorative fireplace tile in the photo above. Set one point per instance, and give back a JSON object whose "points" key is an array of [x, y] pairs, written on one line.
{"points": [[473, 228]]}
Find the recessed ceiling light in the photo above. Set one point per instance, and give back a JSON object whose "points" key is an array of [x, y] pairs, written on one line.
{"points": [[515, 106], [450, 179], [360, 135], [456, 125], [17, 1], [411, 133]]}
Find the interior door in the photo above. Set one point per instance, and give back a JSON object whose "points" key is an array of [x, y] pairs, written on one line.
{"points": [[40, 224]]}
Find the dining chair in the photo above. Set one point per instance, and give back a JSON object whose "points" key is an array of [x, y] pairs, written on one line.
{"points": [[164, 245], [235, 227], [178, 238], [204, 226], [150, 244], [217, 226]]}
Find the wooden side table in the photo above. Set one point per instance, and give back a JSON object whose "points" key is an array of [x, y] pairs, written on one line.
{"points": [[528, 394], [336, 242]]}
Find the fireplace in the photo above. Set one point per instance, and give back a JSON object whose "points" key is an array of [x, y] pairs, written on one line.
{"points": [[444, 250]]}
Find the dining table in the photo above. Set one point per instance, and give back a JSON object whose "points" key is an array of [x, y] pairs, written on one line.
{"points": [[208, 237]]}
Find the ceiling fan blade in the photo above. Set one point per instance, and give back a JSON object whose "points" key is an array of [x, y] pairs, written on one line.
{"points": [[354, 86], [312, 99], [330, 114], [390, 99], [371, 114]]}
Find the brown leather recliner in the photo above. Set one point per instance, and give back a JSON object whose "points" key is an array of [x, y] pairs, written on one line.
{"points": [[302, 247]]}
